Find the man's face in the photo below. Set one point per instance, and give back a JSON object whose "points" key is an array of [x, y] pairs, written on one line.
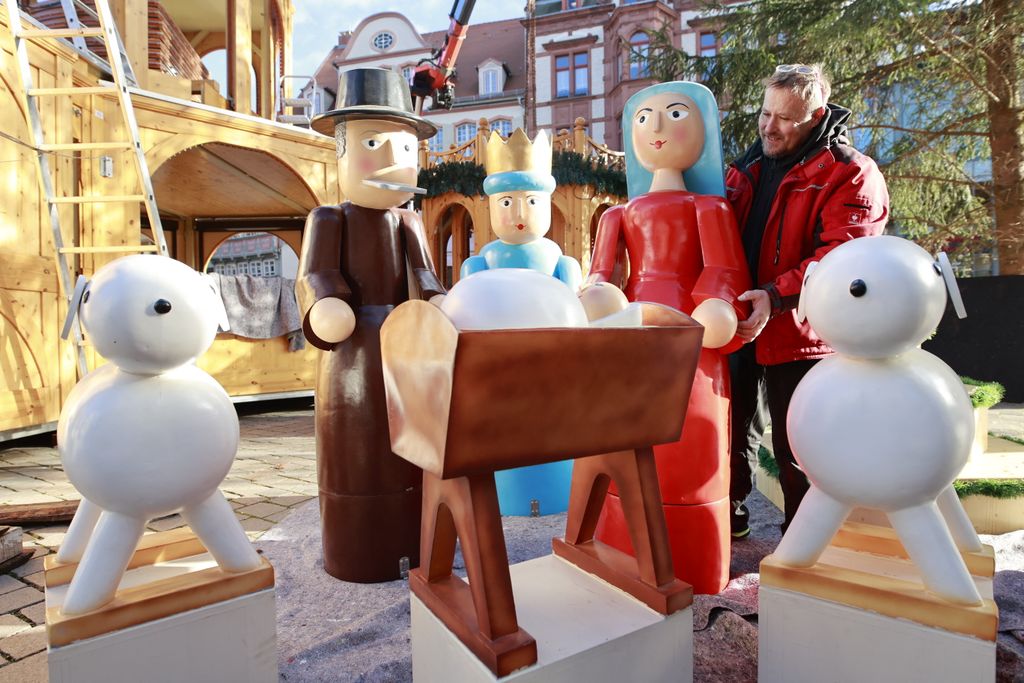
{"points": [[786, 122], [381, 151]]}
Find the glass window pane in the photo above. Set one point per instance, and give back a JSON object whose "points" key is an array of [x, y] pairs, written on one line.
{"points": [[582, 76], [562, 62], [562, 84], [580, 59]]}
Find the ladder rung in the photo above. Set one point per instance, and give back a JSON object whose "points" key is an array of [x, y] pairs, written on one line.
{"points": [[119, 249], [99, 198], [80, 146], [87, 32], [84, 90], [295, 119], [296, 102]]}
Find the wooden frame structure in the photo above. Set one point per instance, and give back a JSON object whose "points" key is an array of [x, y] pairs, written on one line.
{"points": [[208, 163]]}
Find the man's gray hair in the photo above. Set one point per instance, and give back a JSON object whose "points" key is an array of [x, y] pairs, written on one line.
{"points": [[340, 141], [814, 88]]}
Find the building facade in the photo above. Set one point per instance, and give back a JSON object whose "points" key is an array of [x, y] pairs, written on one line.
{"points": [[586, 58]]}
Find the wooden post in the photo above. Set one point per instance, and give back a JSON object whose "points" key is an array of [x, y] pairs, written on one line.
{"points": [[579, 136], [132, 18], [240, 55], [268, 77]]}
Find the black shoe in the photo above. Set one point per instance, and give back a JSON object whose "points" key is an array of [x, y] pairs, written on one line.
{"points": [[739, 520]]}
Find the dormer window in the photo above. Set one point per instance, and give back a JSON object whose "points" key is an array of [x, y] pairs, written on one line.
{"points": [[492, 77], [383, 41]]}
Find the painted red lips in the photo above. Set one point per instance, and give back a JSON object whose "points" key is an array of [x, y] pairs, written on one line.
{"points": [[520, 226], [658, 144]]}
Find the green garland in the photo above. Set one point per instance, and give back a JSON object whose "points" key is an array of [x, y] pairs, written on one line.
{"points": [[568, 168], [462, 177], [572, 168], [993, 488], [984, 394]]}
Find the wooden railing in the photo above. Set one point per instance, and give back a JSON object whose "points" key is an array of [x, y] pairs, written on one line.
{"points": [[565, 140]]}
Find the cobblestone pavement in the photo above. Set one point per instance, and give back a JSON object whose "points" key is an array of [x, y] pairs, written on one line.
{"points": [[274, 471]]}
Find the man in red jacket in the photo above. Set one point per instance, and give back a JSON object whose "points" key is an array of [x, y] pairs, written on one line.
{"points": [[798, 192]]}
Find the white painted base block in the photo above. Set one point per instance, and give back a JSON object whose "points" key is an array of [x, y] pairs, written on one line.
{"points": [[807, 639], [586, 630], [232, 640]]}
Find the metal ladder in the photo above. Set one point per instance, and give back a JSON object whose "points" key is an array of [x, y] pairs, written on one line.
{"points": [[121, 74], [305, 104]]}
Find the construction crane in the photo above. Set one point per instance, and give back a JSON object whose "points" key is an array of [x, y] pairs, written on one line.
{"points": [[433, 77]]}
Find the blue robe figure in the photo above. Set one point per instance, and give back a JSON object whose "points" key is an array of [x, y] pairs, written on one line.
{"points": [[518, 187]]}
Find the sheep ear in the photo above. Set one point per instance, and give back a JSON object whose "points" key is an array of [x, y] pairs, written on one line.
{"points": [[946, 268], [76, 301], [801, 313]]}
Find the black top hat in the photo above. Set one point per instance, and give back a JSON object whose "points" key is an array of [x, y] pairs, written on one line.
{"points": [[373, 94]]}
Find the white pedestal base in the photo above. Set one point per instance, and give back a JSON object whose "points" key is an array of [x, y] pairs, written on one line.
{"points": [[825, 623], [228, 640], [585, 630], [808, 639]]}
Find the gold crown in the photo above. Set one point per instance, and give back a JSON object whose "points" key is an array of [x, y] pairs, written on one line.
{"points": [[518, 154]]}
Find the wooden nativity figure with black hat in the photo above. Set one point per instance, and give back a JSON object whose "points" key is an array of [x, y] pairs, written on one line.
{"points": [[359, 260]]}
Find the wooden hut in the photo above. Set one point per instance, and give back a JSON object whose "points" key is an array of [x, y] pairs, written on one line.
{"points": [[220, 166]]}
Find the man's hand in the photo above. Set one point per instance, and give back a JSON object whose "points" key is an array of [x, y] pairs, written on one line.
{"points": [[761, 309]]}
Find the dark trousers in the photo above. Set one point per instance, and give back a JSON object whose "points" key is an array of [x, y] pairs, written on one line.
{"points": [[760, 396]]}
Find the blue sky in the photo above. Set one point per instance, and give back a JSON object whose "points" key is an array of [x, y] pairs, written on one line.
{"points": [[318, 22]]}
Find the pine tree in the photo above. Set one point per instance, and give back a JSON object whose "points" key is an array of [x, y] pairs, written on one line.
{"points": [[935, 88]]}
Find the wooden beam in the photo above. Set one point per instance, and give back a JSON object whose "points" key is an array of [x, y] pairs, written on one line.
{"points": [[241, 173], [268, 91], [38, 513], [240, 54], [132, 17]]}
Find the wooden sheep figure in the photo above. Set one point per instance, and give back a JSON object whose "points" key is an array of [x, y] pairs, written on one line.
{"points": [[883, 424], [149, 433]]}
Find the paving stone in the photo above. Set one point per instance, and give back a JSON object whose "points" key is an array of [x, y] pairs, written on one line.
{"points": [[251, 524], [38, 579], [261, 509], [31, 670], [278, 516], [8, 583], [167, 523], [18, 598], [10, 625], [26, 643], [27, 497], [36, 613], [292, 501], [17, 482], [49, 537]]}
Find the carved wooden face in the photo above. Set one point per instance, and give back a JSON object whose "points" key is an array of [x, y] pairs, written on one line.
{"points": [[378, 151], [668, 132], [520, 216]]}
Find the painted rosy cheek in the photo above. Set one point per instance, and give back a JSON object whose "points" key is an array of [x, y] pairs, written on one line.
{"points": [[367, 165]]}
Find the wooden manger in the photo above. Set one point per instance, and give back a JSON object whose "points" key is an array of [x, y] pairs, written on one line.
{"points": [[462, 405]]}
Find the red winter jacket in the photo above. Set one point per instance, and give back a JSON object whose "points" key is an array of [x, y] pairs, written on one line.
{"points": [[833, 195]]}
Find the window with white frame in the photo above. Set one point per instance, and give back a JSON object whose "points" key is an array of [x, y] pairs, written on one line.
{"points": [[503, 126], [407, 73], [436, 143], [243, 268], [269, 268], [492, 79], [383, 41], [256, 269], [464, 132]]}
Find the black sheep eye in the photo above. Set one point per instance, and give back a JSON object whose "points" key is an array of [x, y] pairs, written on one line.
{"points": [[85, 298], [162, 306], [858, 288]]}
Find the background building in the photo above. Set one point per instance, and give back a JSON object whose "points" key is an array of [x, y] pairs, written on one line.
{"points": [[586, 59]]}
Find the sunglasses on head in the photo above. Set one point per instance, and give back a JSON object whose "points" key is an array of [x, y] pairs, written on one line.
{"points": [[798, 68]]}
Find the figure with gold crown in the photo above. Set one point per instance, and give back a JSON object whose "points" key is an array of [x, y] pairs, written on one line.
{"points": [[518, 187]]}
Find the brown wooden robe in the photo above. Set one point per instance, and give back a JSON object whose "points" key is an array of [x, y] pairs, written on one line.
{"points": [[369, 497]]}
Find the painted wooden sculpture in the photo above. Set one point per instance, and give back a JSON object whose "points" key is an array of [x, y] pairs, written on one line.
{"points": [[148, 434], [883, 424], [465, 404], [519, 186], [680, 238], [357, 262]]}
